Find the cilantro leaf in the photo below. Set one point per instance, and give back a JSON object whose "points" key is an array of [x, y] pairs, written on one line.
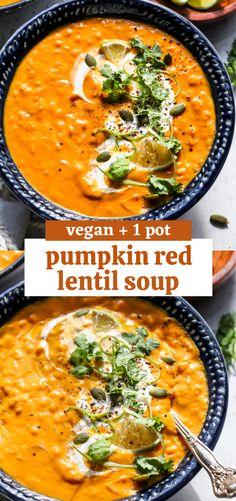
{"points": [[226, 335], [153, 465], [231, 63], [82, 356], [118, 169], [99, 451], [140, 346], [164, 187], [142, 331], [147, 54], [116, 83]]}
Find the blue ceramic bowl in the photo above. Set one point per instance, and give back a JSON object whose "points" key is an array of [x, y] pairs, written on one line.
{"points": [[172, 23], [212, 358]]}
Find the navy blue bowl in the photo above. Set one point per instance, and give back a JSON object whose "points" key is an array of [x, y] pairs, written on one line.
{"points": [[213, 360], [172, 23], [12, 267]]}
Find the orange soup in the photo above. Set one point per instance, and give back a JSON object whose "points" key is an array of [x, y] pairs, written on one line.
{"points": [[109, 128], [7, 2], [7, 257], [86, 392]]}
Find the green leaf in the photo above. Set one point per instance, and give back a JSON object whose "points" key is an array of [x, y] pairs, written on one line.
{"points": [[116, 83], [80, 371], [142, 331], [151, 345], [99, 451], [153, 465], [118, 169], [226, 335], [164, 187], [231, 63], [146, 54]]}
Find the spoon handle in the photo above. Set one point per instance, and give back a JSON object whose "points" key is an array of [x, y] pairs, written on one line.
{"points": [[222, 477]]}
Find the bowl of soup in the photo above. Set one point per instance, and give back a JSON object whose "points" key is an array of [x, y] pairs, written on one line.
{"points": [[87, 390], [9, 261], [131, 117]]}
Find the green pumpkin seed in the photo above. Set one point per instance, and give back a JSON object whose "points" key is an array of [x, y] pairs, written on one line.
{"points": [[81, 312], [90, 61], [158, 392], [126, 115], [98, 394], [152, 196], [177, 109], [219, 220], [103, 157], [168, 360], [167, 59], [143, 120], [81, 438]]}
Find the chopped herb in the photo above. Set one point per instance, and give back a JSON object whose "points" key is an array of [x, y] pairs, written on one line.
{"points": [[231, 63], [116, 84], [118, 169], [153, 465], [226, 335], [164, 187], [145, 54], [99, 451]]}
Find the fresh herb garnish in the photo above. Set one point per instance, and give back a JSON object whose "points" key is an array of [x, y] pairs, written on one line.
{"points": [[145, 54], [226, 335], [231, 63], [168, 186], [141, 346], [115, 85], [118, 169], [99, 451], [153, 465]]}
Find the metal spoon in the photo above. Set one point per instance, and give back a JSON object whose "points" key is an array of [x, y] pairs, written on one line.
{"points": [[222, 477]]}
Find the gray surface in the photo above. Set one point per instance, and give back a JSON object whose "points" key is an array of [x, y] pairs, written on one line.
{"points": [[221, 198]]}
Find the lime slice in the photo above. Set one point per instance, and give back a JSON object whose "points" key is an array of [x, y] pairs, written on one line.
{"points": [[153, 155], [104, 321], [134, 436], [202, 4], [115, 50], [179, 2]]}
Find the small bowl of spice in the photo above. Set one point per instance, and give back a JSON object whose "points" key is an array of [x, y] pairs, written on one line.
{"points": [[224, 263]]}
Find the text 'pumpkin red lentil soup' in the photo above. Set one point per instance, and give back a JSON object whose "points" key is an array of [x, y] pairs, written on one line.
{"points": [[87, 388], [109, 127]]}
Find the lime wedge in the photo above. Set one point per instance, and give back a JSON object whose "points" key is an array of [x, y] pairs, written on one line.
{"points": [[104, 321], [152, 155], [179, 2], [202, 4], [115, 50], [134, 436]]}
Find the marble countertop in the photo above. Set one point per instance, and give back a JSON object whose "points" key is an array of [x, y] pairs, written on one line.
{"points": [[221, 197]]}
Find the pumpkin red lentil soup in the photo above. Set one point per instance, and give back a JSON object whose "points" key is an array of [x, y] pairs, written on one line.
{"points": [[8, 257], [86, 392], [112, 127]]}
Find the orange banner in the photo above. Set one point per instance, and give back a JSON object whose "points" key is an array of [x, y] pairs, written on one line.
{"points": [[118, 230]]}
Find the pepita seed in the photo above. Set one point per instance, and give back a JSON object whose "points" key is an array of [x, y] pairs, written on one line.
{"points": [[90, 61], [177, 109], [167, 59], [103, 157], [126, 115], [219, 220], [81, 312], [81, 438], [168, 360], [158, 392], [98, 394]]}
